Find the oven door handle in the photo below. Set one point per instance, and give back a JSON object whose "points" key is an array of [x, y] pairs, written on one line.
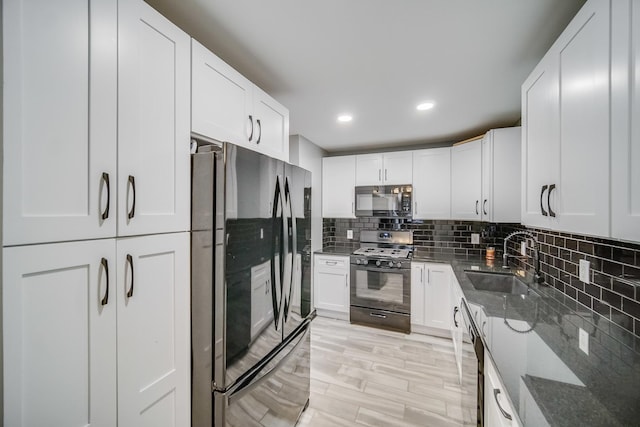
{"points": [[382, 269]]}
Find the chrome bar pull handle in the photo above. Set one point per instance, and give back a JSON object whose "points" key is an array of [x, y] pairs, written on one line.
{"points": [[551, 188], [251, 132], [542, 211], [130, 262], [505, 414], [132, 183], [484, 206], [105, 178], [259, 131], [105, 266], [477, 203], [455, 313]]}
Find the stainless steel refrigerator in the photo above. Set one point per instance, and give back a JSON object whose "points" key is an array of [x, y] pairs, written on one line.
{"points": [[251, 288]]}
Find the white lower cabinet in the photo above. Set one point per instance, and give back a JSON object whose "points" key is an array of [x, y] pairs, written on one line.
{"points": [[261, 305], [59, 317], [498, 411], [457, 324], [153, 300], [331, 285], [430, 297], [96, 333]]}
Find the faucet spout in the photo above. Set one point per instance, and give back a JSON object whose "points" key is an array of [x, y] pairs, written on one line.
{"points": [[536, 253]]}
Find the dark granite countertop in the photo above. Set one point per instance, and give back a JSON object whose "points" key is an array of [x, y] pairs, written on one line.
{"points": [[533, 342], [337, 250]]}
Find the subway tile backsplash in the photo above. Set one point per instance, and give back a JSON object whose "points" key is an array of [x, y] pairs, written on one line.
{"points": [[613, 290]]}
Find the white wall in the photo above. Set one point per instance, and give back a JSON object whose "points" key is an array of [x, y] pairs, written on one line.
{"points": [[307, 155]]}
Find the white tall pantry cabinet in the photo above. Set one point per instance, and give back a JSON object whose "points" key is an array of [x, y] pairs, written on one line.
{"points": [[96, 148]]}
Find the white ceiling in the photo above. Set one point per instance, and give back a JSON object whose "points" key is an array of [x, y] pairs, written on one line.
{"points": [[377, 59]]}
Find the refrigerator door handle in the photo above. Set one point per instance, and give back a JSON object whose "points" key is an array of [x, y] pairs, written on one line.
{"points": [[253, 379], [294, 242], [277, 280]]}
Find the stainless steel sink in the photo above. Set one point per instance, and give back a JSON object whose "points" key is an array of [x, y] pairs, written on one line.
{"points": [[497, 282]]}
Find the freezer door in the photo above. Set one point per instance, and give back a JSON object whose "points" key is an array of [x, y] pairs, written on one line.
{"points": [[297, 285], [275, 394]]}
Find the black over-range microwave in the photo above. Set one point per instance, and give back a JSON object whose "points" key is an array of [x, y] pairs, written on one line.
{"points": [[386, 201]]}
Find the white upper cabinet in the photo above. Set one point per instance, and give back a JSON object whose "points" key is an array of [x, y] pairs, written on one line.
{"points": [[338, 182], [466, 180], [60, 87], [539, 141], [59, 317], [271, 125], [384, 168], [625, 126], [584, 68], [369, 169], [153, 122], [432, 183], [566, 126], [228, 107], [501, 175], [221, 98], [153, 331]]}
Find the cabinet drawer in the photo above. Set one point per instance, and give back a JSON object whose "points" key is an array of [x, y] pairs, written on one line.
{"points": [[332, 263]]}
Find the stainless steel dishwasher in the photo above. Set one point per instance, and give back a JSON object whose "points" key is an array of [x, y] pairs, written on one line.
{"points": [[473, 364]]}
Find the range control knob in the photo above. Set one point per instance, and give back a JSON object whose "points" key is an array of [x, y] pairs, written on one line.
{"points": [[358, 261], [378, 263], [390, 263], [365, 261], [399, 265]]}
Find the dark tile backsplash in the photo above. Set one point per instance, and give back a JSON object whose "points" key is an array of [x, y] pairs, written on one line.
{"points": [[614, 283], [445, 237]]}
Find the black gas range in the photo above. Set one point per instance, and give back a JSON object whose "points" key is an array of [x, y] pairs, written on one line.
{"points": [[381, 280]]}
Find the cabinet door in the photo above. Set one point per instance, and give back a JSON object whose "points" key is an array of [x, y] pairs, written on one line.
{"points": [[60, 334], [540, 121], [221, 98], [261, 305], [331, 283], [432, 183], [625, 126], [61, 53], [398, 168], [456, 324], [584, 67], [437, 299], [153, 330], [332, 290], [486, 208], [495, 400], [153, 122], [369, 169], [501, 200], [466, 180], [417, 293], [338, 181], [271, 124]]}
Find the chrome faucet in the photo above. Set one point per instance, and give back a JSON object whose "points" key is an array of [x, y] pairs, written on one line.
{"points": [[536, 253]]}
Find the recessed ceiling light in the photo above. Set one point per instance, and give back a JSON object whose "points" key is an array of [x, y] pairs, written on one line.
{"points": [[425, 106], [345, 118]]}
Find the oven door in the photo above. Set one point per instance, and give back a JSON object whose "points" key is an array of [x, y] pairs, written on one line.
{"points": [[381, 288]]}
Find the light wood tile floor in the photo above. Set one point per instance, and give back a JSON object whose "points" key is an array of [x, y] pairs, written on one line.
{"points": [[363, 376]]}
